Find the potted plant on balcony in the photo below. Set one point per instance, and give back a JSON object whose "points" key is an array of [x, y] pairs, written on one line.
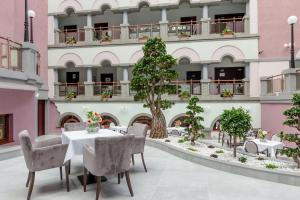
{"points": [[70, 95], [226, 94], [183, 35], [227, 31], [71, 41], [143, 38], [106, 38], [105, 95], [184, 95]]}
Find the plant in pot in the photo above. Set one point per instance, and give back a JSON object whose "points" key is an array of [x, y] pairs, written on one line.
{"points": [[262, 135], [105, 95], [193, 119], [143, 37], [106, 38], [71, 41], [184, 95], [236, 122], [178, 123], [94, 120], [70, 95], [226, 94], [293, 120], [183, 35], [227, 31]]}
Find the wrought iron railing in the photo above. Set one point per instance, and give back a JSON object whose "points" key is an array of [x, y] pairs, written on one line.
{"points": [[107, 34], [77, 88], [227, 26], [275, 84], [193, 87], [184, 29], [144, 31], [114, 88], [236, 87], [10, 54], [72, 36]]}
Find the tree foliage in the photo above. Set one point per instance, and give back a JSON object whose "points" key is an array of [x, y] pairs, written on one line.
{"points": [[293, 120], [193, 119], [152, 77], [236, 122]]}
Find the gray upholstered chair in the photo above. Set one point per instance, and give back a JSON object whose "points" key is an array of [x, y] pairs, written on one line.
{"points": [[42, 158], [251, 147], [111, 156], [78, 126], [140, 133]]}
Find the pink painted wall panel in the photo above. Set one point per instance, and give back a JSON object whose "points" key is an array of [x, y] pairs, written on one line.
{"points": [[53, 117], [273, 118], [12, 26], [273, 28], [22, 104]]}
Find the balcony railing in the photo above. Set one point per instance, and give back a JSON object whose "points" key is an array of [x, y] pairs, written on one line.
{"points": [[193, 87], [237, 87], [107, 34], [144, 31], [184, 29], [227, 26], [10, 54], [72, 36], [77, 88], [113, 87], [275, 84]]}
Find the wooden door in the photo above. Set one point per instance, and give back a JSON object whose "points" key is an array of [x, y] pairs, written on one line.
{"points": [[41, 117]]}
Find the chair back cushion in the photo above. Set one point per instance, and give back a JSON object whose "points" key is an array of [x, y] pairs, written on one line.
{"points": [[140, 129], [26, 146], [251, 147], [113, 154], [78, 126]]}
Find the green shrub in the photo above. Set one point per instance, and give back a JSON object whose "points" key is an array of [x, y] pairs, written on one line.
{"points": [[220, 151], [192, 149], [260, 158], [214, 155], [211, 146], [167, 140], [271, 166], [243, 159], [181, 141]]}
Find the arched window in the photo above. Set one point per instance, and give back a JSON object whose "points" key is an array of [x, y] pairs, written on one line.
{"points": [[179, 120], [70, 11], [68, 119], [107, 121], [143, 120]]}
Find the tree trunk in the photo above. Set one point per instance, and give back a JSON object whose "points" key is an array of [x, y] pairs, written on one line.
{"points": [[297, 160], [234, 146], [159, 128], [193, 139]]}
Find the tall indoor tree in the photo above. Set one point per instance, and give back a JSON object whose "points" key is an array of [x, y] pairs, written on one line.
{"points": [[151, 80]]}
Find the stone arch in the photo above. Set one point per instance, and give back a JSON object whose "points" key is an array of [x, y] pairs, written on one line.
{"points": [[74, 4], [105, 4], [136, 57], [185, 52], [143, 3], [175, 118], [228, 50], [145, 115], [214, 122], [70, 57], [108, 116], [106, 56], [68, 117]]}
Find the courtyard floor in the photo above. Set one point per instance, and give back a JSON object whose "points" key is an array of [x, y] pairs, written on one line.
{"points": [[168, 178]]}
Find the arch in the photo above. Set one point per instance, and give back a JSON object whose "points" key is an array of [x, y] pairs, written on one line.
{"points": [[185, 52], [70, 57], [228, 50], [175, 118], [214, 122], [105, 4], [141, 116], [138, 55], [108, 118], [106, 56], [69, 4], [68, 117], [143, 4]]}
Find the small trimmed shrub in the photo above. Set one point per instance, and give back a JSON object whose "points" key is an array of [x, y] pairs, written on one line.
{"points": [[214, 155], [271, 166], [220, 151], [211, 146], [192, 149], [181, 141], [167, 140], [243, 159], [260, 158]]}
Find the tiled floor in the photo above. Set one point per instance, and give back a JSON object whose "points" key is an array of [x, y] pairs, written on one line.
{"points": [[169, 178]]}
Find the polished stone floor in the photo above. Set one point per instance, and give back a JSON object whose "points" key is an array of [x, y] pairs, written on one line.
{"points": [[168, 178]]}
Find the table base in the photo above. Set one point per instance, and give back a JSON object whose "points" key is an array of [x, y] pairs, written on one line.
{"points": [[91, 179]]}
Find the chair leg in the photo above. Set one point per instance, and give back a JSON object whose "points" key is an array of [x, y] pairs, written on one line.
{"points": [[60, 172], [84, 179], [142, 155], [67, 177], [119, 178], [132, 157], [32, 176], [28, 179], [69, 171], [98, 187], [128, 183]]}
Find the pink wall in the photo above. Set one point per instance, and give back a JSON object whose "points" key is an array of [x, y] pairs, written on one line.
{"points": [[273, 28], [273, 118], [53, 117], [22, 104], [12, 26]]}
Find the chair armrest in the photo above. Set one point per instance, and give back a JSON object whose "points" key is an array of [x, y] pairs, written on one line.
{"points": [[49, 157], [88, 157], [123, 132]]}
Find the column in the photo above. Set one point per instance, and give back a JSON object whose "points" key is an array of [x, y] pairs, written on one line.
{"points": [[56, 30], [125, 83], [246, 80], [125, 27], [55, 74], [89, 85], [164, 24], [246, 18], [290, 80], [29, 59], [205, 81], [88, 29], [264, 84], [205, 21], [253, 16], [125, 74]]}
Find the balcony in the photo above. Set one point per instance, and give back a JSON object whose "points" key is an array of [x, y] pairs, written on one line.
{"points": [[10, 55], [72, 36], [227, 26]]}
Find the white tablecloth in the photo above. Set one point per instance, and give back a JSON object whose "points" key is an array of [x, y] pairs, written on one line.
{"points": [[77, 139], [118, 129], [181, 130], [271, 145]]}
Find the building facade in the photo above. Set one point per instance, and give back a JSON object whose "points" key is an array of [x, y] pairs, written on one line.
{"points": [[23, 72]]}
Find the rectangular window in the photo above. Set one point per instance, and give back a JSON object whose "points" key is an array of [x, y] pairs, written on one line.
{"points": [[6, 131]]}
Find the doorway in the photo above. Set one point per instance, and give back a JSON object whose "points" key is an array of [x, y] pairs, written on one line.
{"points": [[230, 73], [72, 77], [41, 117], [193, 75], [107, 78]]}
